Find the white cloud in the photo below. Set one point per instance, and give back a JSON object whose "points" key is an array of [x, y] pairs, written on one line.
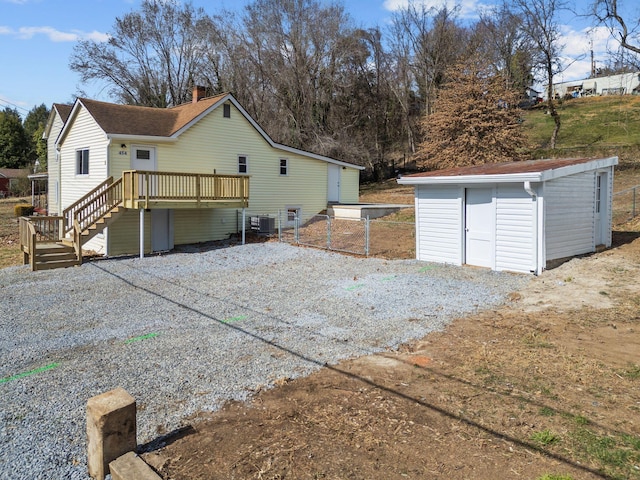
{"points": [[96, 36], [27, 33], [468, 8], [577, 50]]}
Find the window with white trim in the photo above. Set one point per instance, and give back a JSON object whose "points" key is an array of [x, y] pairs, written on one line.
{"points": [[284, 166], [226, 110], [243, 164], [82, 162], [293, 213]]}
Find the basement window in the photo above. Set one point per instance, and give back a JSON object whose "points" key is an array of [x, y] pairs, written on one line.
{"points": [[82, 162]]}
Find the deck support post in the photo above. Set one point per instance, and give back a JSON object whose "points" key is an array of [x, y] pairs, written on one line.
{"points": [[142, 233], [244, 223]]}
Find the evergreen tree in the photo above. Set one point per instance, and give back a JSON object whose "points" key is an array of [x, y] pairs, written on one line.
{"points": [[14, 142], [34, 124]]}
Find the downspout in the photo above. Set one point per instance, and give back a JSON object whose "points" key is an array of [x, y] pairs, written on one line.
{"points": [[534, 197], [108, 166]]}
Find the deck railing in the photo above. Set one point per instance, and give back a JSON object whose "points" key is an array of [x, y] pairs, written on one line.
{"points": [[35, 230], [93, 206], [158, 186]]}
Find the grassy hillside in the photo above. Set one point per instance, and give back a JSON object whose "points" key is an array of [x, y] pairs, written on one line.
{"points": [[590, 127]]}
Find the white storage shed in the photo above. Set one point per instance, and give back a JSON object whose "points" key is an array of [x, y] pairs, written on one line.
{"points": [[514, 216]]}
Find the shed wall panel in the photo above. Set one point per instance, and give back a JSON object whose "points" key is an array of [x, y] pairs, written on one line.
{"points": [[515, 232], [569, 215], [439, 224]]}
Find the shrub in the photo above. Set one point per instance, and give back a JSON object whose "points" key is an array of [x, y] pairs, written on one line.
{"points": [[23, 210]]}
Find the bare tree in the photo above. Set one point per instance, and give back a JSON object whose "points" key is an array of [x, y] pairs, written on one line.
{"points": [[476, 119], [153, 56], [608, 12], [540, 24], [499, 38]]}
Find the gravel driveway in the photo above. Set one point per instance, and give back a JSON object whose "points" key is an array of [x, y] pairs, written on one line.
{"points": [[187, 331]]}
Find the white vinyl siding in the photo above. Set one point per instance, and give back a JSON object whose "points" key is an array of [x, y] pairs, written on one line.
{"points": [[84, 134], [515, 232], [569, 215], [53, 167], [439, 224]]}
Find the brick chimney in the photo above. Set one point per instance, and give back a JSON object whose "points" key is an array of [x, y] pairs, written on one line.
{"points": [[198, 93]]}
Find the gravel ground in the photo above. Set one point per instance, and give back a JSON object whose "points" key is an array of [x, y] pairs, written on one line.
{"points": [[187, 331]]}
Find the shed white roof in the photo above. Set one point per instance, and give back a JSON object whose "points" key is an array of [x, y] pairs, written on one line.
{"points": [[509, 172]]}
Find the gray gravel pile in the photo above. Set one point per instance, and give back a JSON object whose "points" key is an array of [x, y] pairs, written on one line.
{"points": [[188, 331]]}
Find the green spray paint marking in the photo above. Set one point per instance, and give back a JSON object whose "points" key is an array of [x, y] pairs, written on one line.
{"points": [[427, 268], [355, 287], [141, 337], [30, 372], [386, 279], [234, 319]]}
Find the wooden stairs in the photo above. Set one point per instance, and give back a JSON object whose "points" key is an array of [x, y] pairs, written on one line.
{"points": [[56, 242], [55, 255]]}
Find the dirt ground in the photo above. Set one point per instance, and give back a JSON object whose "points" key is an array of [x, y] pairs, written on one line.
{"points": [[547, 386]]}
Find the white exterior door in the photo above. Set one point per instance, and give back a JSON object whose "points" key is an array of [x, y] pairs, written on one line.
{"points": [[479, 227], [144, 158], [333, 187], [161, 230]]}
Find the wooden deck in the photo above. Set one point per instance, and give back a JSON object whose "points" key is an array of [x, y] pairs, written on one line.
{"points": [[183, 190], [52, 242]]}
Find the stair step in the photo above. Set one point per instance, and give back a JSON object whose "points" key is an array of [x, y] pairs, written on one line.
{"points": [[55, 250], [54, 257], [49, 265]]}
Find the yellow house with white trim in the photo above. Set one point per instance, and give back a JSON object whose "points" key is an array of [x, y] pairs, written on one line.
{"points": [[212, 140]]}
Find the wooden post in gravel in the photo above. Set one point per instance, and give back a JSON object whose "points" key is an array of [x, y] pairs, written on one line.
{"points": [[111, 429]]}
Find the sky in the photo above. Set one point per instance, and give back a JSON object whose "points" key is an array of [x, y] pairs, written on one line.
{"points": [[37, 38]]}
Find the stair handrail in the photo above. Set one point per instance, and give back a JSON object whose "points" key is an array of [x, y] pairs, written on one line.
{"points": [[28, 241], [93, 206], [77, 240]]}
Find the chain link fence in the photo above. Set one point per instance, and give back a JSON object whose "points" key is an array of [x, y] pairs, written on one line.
{"points": [[625, 205], [380, 238]]}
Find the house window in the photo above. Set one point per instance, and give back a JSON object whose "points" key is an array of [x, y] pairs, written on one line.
{"points": [[143, 154], [226, 110], [284, 166], [243, 164], [82, 162], [293, 214]]}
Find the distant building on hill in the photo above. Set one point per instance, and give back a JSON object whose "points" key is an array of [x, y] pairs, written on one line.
{"points": [[621, 84]]}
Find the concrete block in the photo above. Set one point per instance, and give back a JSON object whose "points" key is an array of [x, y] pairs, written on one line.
{"points": [[111, 430], [131, 467]]}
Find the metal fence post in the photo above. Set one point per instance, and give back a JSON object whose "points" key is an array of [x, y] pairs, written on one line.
{"points": [[296, 227], [280, 225], [366, 236]]}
